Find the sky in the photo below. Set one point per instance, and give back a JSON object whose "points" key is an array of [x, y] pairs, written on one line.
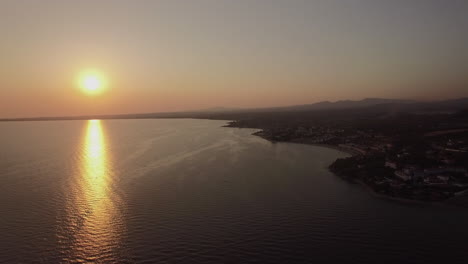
{"points": [[159, 56]]}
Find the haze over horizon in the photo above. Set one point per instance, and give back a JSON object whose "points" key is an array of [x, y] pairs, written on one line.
{"points": [[160, 56]]}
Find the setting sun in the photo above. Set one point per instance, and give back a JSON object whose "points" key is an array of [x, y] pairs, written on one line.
{"points": [[92, 82]]}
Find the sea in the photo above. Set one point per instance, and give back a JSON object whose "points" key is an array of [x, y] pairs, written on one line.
{"points": [[193, 191]]}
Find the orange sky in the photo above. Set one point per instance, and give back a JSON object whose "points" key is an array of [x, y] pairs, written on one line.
{"points": [[182, 55]]}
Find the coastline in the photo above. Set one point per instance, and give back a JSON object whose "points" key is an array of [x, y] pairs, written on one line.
{"points": [[352, 153], [342, 149], [305, 142], [393, 198]]}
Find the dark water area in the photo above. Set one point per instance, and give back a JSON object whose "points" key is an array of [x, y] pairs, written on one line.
{"points": [[191, 191]]}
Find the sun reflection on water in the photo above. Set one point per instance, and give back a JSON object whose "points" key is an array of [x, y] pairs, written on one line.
{"points": [[95, 164], [93, 213]]}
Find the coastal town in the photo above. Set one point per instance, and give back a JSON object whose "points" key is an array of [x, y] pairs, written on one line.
{"points": [[413, 157]]}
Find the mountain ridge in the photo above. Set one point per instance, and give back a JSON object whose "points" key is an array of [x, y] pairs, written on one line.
{"points": [[449, 105]]}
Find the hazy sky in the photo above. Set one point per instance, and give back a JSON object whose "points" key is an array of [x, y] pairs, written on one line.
{"points": [[178, 55]]}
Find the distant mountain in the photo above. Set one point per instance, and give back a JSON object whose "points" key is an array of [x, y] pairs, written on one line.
{"points": [[327, 105], [381, 103], [343, 104], [371, 105]]}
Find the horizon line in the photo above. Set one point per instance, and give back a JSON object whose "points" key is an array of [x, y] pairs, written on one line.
{"points": [[141, 115]]}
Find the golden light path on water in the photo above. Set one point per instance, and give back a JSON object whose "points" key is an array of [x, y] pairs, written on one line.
{"points": [[94, 220]]}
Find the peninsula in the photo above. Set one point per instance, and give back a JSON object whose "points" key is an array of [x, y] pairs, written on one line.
{"points": [[399, 151]]}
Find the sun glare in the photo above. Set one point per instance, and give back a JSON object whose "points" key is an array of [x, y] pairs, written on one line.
{"points": [[92, 82]]}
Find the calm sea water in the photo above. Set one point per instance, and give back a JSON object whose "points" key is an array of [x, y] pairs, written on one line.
{"points": [[191, 191]]}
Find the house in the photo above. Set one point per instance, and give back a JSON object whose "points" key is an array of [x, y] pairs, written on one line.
{"points": [[390, 164], [402, 175]]}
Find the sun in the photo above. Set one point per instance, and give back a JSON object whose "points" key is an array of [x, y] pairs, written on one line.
{"points": [[92, 82]]}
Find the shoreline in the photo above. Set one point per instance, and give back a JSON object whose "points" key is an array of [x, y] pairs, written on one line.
{"points": [[364, 185], [330, 146], [393, 198], [342, 149]]}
